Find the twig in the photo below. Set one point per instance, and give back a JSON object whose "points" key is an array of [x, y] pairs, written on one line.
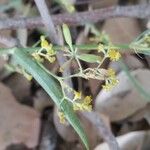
{"points": [[80, 18]]}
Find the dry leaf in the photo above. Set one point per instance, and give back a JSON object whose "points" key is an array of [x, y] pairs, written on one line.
{"points": [[122, 30], [132, 141], [19, 85], [18, 123], [42, 100]]}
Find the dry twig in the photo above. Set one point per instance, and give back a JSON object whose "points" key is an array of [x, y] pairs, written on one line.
{"points": [[80, 18]]}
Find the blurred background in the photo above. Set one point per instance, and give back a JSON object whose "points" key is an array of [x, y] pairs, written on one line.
{"points": [[28, 116]]}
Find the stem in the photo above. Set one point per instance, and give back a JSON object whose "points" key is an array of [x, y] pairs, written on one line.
{"points": [[71, 76], [101, 62], [80, 18], [79, 64], [88, 47]]}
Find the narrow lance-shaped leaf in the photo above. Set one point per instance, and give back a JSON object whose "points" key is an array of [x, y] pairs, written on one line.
{"points": [[89, 58], [52, 87], [67, 35]]}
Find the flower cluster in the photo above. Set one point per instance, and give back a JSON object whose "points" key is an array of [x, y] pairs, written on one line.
{"points": [[114, 55], [84, 105], [79, 104], [46, 52], [77, 95], [110, 81]]}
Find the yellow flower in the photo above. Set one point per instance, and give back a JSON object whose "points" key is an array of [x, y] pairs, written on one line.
{"points": [[111, 72], [44, 42], [87, 99], [77, 95], [87, 107], [114, 55], [111, 80], [83, 106], [114, 81], [61, 117], [48, 47], [107, 87], [109, 84], [51, 59], [49, 54]]}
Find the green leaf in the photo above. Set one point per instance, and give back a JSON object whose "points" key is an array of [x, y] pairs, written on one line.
{"points": [[89, 58], [52, 87], [67, 35], [147, 32]]}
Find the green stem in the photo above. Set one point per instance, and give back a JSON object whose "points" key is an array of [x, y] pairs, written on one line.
{"points": [[87, 47], [71, 76]]}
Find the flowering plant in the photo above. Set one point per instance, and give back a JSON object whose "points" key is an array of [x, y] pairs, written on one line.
{"points": [[29, 61]]}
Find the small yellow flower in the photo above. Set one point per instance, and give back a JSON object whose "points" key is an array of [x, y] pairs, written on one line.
{"points": [[61, 117], [109, 84], [114, 81], [87, 107], [114, 55], [49, 54], [50, 50], [87, 103], [48, 47], [111, 80], [107, 87], [87, 99], [77, 95], [44, 42], [111, 72], [51, 59], [83, 106]]}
